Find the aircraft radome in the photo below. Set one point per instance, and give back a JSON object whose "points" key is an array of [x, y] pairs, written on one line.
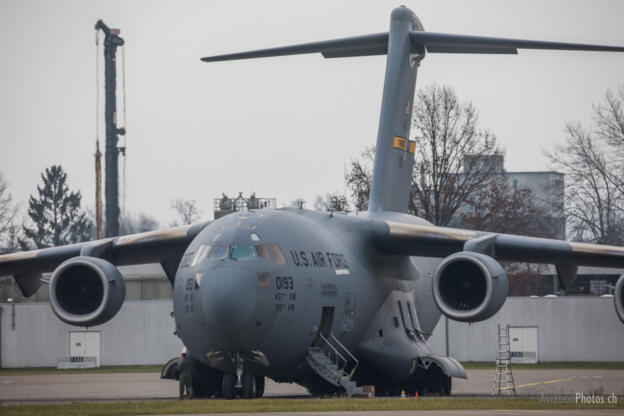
{"points": [[328, 300]]}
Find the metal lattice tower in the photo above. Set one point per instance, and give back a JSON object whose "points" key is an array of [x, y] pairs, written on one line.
{"points": [[503, 377]]}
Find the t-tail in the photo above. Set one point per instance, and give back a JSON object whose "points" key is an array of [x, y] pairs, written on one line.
{"points": [[405, 45]]}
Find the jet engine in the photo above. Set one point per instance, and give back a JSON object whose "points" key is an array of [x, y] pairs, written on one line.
{"points": [[86, 291], [618, 298], [469, 287]]}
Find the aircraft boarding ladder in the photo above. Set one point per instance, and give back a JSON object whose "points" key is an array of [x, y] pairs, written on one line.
{"points": [[503, 378], [329, 363]]}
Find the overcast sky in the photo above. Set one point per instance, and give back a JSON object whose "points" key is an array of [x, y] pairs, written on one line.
{"points": [[281, 127]]}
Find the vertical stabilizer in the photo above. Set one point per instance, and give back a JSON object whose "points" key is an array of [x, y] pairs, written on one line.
{"points": [[405, 45], [394, 157]]}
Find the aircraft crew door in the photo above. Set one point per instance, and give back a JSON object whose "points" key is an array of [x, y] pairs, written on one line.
{"points": [[327, 318]]}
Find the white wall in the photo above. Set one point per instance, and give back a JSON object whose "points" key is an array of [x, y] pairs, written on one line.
{"points": [[141, 333], [569, 329]]}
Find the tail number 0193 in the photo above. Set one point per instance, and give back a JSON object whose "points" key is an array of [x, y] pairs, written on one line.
{"points": [[284, 283]]}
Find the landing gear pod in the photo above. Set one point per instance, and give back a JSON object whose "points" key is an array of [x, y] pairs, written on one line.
{"points": [[86, 291], [618, 298], [470, 287]]}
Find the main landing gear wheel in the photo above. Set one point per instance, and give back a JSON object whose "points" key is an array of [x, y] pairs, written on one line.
{"points": [[437, 382], [228, 386], [447, 386], [259, 386], [249, 386]]}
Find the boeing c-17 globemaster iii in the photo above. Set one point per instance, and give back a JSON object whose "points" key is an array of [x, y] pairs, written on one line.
{"points": [[327, 300]]}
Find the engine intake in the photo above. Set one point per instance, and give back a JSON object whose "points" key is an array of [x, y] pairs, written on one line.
{"points": [[470, 287], [618, 298], [86, 291]]}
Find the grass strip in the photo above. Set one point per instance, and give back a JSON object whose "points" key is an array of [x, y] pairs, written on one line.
{"points": [[553, 365], [98, 370], [288, 405]]}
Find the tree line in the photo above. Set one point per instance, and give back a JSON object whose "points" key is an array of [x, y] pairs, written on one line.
{"points": [[55, 216]]}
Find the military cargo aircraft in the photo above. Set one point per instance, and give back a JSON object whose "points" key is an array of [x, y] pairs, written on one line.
{"points": [[331, 301]]}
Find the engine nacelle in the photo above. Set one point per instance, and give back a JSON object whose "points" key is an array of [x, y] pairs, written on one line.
{"points": [[86, 291], [618, 298], [470, 287]]}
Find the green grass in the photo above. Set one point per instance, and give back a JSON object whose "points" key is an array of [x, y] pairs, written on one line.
{"points": [[554, 365], [284, 405], [53, 370]]}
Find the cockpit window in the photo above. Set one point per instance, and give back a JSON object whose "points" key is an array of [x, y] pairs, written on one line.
{"points": [[269, 252], [278, 257], [202, 253], [263, 251], [219, 252], [239, 252]]}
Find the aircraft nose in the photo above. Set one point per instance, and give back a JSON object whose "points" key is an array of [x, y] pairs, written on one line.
{"points": [[228, 297]]}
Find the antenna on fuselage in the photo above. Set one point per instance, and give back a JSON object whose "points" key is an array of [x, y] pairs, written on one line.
{"points": [[405, 45]]}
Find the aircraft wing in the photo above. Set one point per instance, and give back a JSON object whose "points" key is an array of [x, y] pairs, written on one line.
{"points": [[399, 238], [162, 246]]}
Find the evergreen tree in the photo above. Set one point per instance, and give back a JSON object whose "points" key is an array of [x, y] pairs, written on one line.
{"points": [[56, 215]]}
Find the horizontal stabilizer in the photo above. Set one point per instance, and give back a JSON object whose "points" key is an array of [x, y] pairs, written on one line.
{"points": [[376, 44], [450, 43]]}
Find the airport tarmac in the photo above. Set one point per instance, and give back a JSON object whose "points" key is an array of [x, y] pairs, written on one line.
{"points": [[148, 386]]}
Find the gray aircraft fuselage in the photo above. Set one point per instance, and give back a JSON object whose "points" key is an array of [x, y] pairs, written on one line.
{"points": [[227, 305]]}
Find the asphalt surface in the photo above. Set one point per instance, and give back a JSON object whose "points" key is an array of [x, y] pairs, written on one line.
{"points": [[148, 386]]}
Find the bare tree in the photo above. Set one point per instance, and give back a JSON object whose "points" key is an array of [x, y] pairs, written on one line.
{"points": [[187, 210], [360, 177], [331, 202], [498, 208], [609, 119], [454, 158], [609, 127], [592, 159], [131, 224], [454, 161], [9, 230]]}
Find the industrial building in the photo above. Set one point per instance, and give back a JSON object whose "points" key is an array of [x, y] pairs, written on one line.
{"points": [[227, 205]]}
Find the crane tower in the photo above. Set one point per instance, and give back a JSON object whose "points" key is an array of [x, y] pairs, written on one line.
{"points": [[112, 41]]}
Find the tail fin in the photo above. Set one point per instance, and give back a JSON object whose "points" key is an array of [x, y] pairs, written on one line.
{"points": [[405, 44]]}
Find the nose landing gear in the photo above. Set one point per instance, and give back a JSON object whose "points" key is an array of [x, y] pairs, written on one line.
{"points": [[251, 387], [241, 384]]}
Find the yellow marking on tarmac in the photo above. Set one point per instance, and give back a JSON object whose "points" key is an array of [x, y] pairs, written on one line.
{"points": [[540, 382]]}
